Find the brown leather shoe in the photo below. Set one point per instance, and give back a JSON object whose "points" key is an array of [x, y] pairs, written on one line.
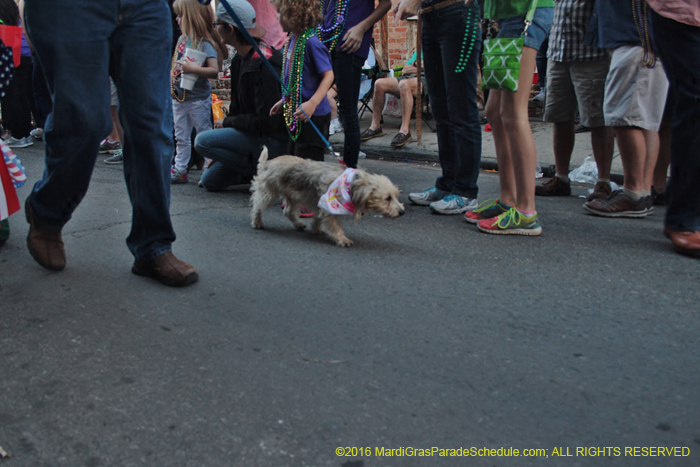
{"points": [[601, 191], [618, 204], [369, 134], [45, 246], [554, 187], [167, 269], [687, 243], [401, 139]]}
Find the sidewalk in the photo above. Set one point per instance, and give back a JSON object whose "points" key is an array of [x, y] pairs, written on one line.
{"points": [[427, 150]]}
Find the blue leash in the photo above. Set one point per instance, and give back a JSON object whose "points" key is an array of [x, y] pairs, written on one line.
{"points": [[253, 43]]}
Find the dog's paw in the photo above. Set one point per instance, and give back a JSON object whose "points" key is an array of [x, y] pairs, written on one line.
{"points": [[257, 225], [344, 242], [300, 227]]}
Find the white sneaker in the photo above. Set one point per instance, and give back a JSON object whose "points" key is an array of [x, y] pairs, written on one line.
{"points": [[19, 143], [454, 204], [427, 197], [540, 97], [37, 133], [362, 155], [335, 127]]}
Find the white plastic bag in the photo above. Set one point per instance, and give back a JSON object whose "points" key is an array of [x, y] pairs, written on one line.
{"points": [[586, 173]]}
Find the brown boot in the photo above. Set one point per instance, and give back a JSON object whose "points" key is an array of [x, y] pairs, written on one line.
{"points": [[167, 269], [45, 246]]}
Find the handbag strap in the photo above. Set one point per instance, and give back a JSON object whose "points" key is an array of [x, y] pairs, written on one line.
{"points": [[530, 15]]}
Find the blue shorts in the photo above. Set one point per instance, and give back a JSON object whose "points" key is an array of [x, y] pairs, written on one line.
{"points": [[536, 33]]}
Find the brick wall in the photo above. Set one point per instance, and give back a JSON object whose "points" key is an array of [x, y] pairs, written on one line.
{"points": [[401, 40]]}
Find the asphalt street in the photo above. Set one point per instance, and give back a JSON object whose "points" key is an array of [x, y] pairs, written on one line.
{"points": [[426, 333]]}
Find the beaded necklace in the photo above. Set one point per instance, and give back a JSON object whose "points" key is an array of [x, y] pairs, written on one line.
{"points": [[293, 66], [470, 31], [175, 69], [332, 34], [640, 10]]}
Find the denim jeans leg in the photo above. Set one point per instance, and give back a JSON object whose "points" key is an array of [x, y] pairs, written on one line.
{"points": [[235, 155], [347, 70], [679, 48], [76, 66], [140, 48], [453, 95]]}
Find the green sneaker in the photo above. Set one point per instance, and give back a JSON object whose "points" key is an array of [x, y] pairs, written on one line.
{"points": [[4, 230], [512, 222], [486, 210]]}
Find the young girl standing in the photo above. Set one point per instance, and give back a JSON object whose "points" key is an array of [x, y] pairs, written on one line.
{"points": [[307, 76], [192, 109]]}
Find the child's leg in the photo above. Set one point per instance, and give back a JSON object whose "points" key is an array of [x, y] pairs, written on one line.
{"points": [[202, 121], [309, 145], [183, 131]]}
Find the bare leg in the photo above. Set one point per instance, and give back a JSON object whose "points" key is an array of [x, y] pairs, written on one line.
{"points": [[381, 87], [500, 138], [515, 119], [332, 102], [603, 142], [117, 133], [633, 152], [407, 89], [652, 142], [563, 139], [661, 169]]}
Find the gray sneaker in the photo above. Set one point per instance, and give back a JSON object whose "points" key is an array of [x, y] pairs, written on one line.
{"points": [[118, 158], [454, 204], [427, 197]]}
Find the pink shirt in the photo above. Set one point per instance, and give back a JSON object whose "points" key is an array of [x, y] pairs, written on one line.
{"points": [[683, 11], [266, 16]]}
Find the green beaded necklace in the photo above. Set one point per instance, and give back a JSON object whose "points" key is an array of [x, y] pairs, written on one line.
{"points": [[292, 68], [470, 31]]}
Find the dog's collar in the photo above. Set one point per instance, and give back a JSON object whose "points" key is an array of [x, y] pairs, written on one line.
{"points": [[338, 199]]}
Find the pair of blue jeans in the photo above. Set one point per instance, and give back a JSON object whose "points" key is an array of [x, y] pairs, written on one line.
{"points": [[80, 43], [347, 69], [678, 45], [453, 94], [235, 154]]}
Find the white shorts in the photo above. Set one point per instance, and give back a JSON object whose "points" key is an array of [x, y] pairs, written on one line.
{"points": [[634, 94]]}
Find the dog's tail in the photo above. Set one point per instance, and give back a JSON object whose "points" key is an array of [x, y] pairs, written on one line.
{"points": [[261, 161], [263, 156]]}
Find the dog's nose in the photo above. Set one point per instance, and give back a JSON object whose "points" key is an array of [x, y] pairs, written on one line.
{"points": [[402, 212]]}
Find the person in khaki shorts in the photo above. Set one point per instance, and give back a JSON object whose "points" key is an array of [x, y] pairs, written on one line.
{"points": [[576, 80]]}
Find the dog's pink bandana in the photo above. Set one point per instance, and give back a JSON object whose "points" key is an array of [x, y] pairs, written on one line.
{"points": [[337, 199]]}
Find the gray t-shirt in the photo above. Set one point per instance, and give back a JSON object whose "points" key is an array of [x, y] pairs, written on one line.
{"points": [[202, 88]]}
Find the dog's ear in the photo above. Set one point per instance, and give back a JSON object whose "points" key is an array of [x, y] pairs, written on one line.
{"points": [[361, 194]]}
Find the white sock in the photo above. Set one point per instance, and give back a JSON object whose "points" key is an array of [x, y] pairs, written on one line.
{"points": [[633, 195], [563, 177]]}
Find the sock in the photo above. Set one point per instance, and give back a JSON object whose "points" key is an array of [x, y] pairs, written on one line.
{"points": [[633, 195], [606, 180], [563, 177], [335, 121], [646, 193], [527, 213]]}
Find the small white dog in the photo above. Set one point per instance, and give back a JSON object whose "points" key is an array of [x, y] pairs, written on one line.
{"points": [[301, 182]]}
